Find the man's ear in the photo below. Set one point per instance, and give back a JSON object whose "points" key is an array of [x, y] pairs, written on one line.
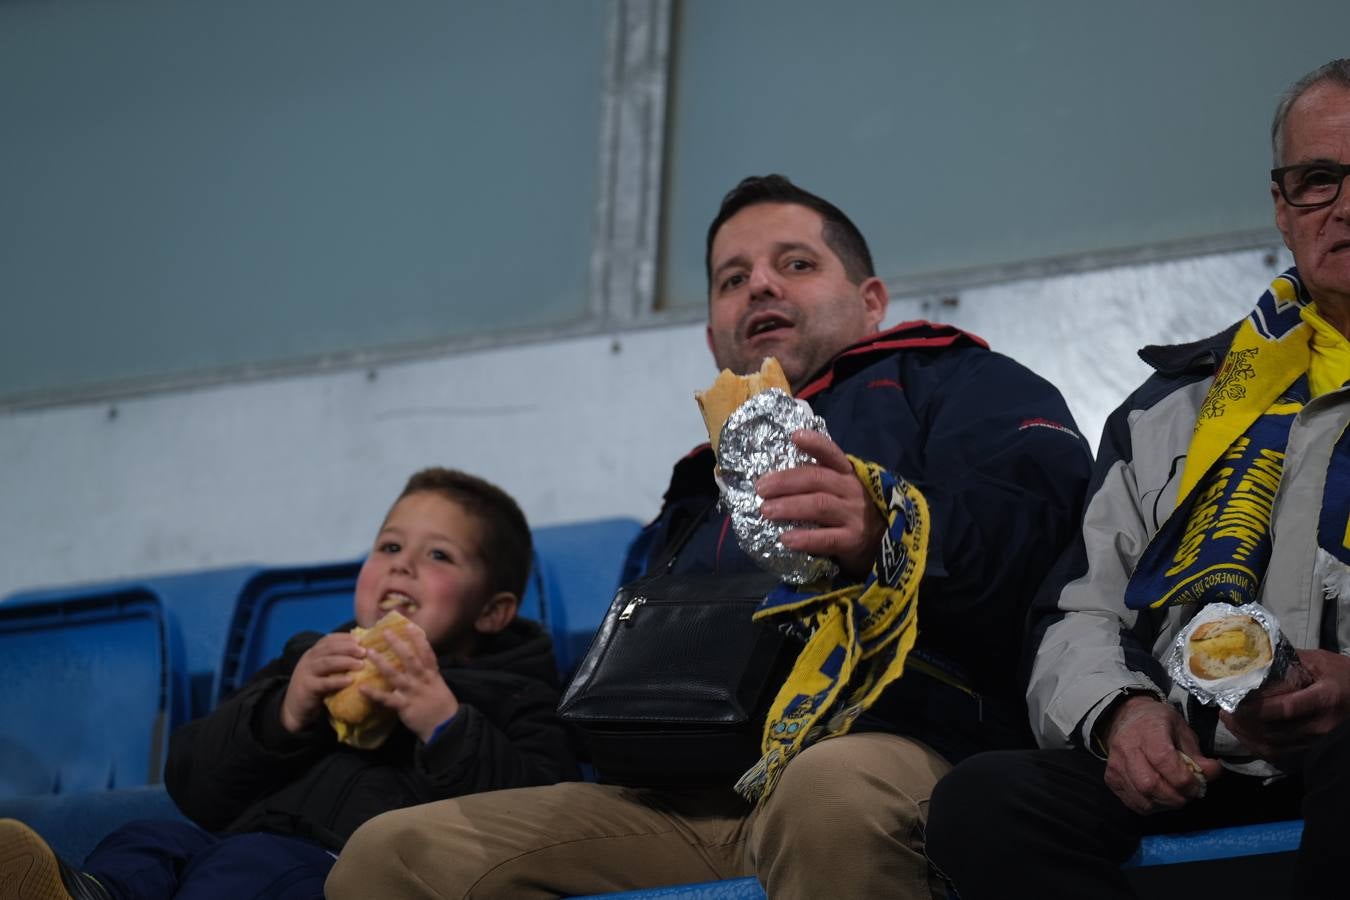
{"points": [[707, 333], [499, 612], [875, 300], [1282, 214]]}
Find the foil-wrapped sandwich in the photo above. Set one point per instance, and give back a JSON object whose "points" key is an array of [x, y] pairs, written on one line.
{"points": [[1225, 652], [750, 421]]}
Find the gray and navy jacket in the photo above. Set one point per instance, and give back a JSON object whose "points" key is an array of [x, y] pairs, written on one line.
{"points": [[996, 453], [1089, 648]]}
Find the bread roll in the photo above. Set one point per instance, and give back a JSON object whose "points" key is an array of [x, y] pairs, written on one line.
{"points": [[1232, 645], [730, 390], [358, 720]]}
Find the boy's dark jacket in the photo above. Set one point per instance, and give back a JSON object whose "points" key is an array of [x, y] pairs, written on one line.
{"points": [[238, 770]]}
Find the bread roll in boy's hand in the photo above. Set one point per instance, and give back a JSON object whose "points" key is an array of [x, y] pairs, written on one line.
{"points": [[357, 719], [730, 390]]}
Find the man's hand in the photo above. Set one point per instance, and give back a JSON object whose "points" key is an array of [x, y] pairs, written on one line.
{"points": [[325, 668], [827, 495], [418, 693], [1145, 740], [1275, 723]]}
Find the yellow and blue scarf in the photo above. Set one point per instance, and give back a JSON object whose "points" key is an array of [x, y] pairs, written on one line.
{"points": [[1217, 542], [860, 635]]}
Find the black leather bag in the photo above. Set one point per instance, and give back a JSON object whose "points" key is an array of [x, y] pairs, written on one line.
{"points": [[677, 682]]}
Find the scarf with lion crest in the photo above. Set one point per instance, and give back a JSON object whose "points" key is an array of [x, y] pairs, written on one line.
{"points": [[860, 635], [1217, 542]]}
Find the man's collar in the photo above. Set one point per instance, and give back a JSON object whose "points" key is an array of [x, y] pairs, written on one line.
{"points": [[693, 474], [918, 334], [1197, 356]]}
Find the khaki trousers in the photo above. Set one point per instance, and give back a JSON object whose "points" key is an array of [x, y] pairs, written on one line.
{"points": [[845, 821]]}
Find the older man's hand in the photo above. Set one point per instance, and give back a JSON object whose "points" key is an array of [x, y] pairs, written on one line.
{"points": [[1275, 723], [1145, 740], [827, 495]]}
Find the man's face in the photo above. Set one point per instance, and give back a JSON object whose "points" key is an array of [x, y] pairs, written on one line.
{"points": [[1318, 130], [426, 563], [779, 290]]}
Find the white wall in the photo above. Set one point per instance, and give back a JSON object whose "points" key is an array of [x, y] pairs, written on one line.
{"points": [[301, 469]]}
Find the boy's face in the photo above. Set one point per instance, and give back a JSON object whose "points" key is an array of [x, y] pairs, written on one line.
{"points": [[427, 564]]}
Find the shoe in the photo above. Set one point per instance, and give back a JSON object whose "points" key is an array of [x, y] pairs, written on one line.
{"points": [[29, 870]]}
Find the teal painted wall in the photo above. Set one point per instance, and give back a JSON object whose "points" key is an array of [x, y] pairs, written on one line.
{"points": [[192, 186], [189, 185], [972, 134]]}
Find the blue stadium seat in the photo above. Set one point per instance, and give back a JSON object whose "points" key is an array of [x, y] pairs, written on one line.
{"points": [[94, 682], [1218, 843], [1244, 860], [72, 824], [202, 602], [576, 574], [532, 602], [727, 889], [276, 604]]}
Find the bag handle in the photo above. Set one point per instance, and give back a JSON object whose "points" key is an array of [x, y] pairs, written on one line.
{"points": [[674, 548]]}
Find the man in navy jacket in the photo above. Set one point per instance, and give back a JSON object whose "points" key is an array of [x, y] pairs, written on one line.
{"points": [[994, 451]]}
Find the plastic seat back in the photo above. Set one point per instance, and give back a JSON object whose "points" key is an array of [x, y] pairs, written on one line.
{"points": [[93, 683], [275, 605], [576, 575]]}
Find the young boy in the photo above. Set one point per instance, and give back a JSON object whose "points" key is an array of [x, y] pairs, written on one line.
{"points": [[274, 793]]}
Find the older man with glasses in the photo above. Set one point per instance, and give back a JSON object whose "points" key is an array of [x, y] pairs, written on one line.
{"points": [[1224, 479]]}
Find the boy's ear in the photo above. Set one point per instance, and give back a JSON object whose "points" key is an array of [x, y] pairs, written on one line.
{"points": [[497, 613]]}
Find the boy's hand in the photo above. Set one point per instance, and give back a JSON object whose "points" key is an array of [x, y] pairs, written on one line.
{"points": [[325, 668], [418, 693]]}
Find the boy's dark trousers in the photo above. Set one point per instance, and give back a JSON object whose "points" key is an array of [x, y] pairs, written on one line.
{"points": [[153, 859]]}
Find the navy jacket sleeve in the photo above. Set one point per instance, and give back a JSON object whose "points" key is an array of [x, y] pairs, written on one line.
{"points": [[1004, 472]]}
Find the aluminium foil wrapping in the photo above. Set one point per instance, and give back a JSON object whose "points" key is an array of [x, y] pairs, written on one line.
{"points": [[756, 440]]}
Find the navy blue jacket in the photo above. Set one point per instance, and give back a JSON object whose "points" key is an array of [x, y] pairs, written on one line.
{"points": [[996, 453]]}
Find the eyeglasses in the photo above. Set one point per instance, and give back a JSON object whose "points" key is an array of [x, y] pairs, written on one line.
{"points": [[1310, 184]]}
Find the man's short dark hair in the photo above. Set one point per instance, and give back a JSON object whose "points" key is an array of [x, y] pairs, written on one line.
{"points": [[1337, 72], [839, 232], [506, 547]]}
